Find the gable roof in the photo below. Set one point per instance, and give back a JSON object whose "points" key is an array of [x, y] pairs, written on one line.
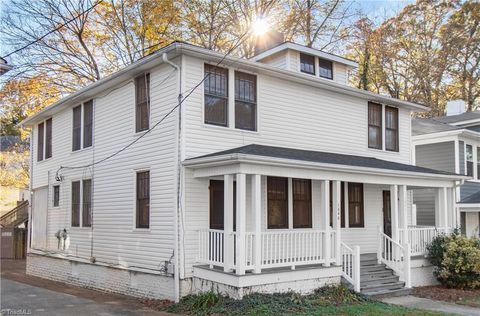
{"points": [[178, 48], [305, 49], [421, 126], [321, 158]]}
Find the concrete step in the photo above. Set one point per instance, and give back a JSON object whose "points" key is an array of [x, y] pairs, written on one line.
{"points": [[388, 293], [373, 268], [368, 289], [379, 281], [375, 274]]}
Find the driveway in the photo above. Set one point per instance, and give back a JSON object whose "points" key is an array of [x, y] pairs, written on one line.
{"points": [[22, 294]]}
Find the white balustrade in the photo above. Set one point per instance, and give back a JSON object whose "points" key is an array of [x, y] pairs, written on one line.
{"points": [[419, 237], [351, 265], [395, 256], [278, 248]]}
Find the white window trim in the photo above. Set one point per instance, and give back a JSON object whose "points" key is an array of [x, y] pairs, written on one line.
{"points": [[134, 213], [80, 212], [82, 126], [231, 103], [44, 141]]}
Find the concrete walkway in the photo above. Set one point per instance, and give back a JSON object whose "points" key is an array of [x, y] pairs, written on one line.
{"points": [[428, 304], [23, 299]]}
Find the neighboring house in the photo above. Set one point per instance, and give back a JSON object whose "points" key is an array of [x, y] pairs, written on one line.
{"points": [[274, 175], [450, 143]]}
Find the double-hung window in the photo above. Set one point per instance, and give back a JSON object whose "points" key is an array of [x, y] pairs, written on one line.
{"points": [[391, 128], [56, 195], [44, 143], [143, 200], [469, 159], [302, 203], [81, 203], [245, 101], [355, 205], [142, 102], [277, 205], [374, 125], [307, 64], [216, 95], [325, 68], [82, 133]]}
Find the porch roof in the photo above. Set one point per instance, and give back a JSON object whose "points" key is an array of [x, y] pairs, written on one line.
{"points": [[471, 199], [317, 158]]}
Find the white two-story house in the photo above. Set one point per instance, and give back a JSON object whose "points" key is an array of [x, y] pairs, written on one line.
{"points": [[272, 174], [450, 143]]}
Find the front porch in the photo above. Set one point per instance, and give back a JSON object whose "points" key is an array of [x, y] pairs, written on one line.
{"points": [[327, 220]]}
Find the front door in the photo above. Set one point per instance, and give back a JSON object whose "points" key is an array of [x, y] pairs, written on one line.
{"points": [[387, 214]]}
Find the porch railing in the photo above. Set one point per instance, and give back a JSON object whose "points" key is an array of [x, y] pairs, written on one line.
{"points": [[351, 265], [395, 256], [278, 248], [419, 237]]}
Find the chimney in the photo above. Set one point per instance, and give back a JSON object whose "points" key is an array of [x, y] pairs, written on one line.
{"points": [[455, 107], [268, 40]]}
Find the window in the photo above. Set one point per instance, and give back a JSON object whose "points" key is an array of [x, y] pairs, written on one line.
{"points": [[216, 95], [355, 205], [302, 203], [41, 138], [82, 129], [48, 138], [374, 125], [277, 204], [342, 204], [143, 199], [478, 164], [469, 159], [56, 195], [87, 124], [77, 128], [325, 68], [75, 203], [391, 128], [245, 101], [87, 203], [142, 102], [307, 64]]}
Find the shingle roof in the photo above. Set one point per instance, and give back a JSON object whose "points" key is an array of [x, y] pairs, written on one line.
{"points": [[471, 199], [460, 117], [324, 157], [422, 126]]}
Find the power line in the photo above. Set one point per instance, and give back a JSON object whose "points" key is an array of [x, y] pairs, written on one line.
{"points": [[54, 30], [239, 42]]}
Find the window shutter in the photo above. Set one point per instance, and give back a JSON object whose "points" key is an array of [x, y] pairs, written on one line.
{"points": [[48, 138]]}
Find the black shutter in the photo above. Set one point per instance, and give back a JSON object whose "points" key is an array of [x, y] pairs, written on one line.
{"points": [[40, 142], [87, 124]]}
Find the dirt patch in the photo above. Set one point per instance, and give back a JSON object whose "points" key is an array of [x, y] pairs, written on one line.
{"points": [[440, 293]]}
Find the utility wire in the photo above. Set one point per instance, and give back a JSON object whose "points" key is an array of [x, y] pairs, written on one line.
{"points": [[239, 42], [54, 30]]}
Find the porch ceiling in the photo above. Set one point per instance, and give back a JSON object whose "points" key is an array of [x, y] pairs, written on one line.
{"points": [[332, 166]]}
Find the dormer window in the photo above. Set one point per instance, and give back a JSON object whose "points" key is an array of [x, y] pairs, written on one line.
{"points": [[325, 68], [307, 64]]}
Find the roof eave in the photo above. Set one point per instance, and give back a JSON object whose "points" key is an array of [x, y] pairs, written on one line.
{"points": [[210, 161]]}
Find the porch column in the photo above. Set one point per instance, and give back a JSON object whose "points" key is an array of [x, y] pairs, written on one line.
{"points": [[441, 208], [402, 196], [241, 223], [325, 215], [451, 208], [336, 220], [394, 209], [228, 222], [257, 219]]}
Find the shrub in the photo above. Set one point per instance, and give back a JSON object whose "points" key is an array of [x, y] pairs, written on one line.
{"points": [[456, 260]]}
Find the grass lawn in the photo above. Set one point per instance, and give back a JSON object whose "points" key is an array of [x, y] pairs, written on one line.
{"points": [[325, 301]]}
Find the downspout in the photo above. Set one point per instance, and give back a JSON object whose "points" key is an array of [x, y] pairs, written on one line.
{"points": [[176, 251], [30, 192]]}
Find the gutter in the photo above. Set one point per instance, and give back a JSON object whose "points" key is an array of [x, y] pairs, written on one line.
{"points": [[176, 251]]}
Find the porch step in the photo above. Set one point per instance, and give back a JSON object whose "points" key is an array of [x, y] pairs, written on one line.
{"points": [[375, 274], [378, 280], [389, 293], [369, 289], [372, 268]]}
